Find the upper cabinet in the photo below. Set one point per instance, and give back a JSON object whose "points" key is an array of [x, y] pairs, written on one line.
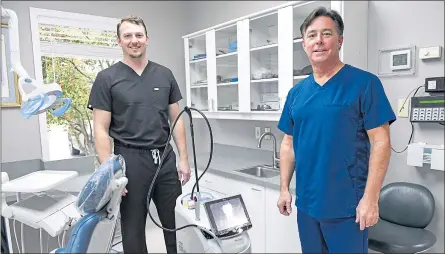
{"points": [[197, 83], [244, 68]]}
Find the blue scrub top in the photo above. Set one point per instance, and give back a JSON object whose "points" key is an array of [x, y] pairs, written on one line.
{"points": [[328, 124]]}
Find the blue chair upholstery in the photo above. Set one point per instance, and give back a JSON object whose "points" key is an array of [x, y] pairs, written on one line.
{"points": [[406, 209], [98, 204], [81, 234]]}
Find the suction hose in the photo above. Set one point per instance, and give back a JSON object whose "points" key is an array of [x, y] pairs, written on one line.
{"points": [[188, 111]]}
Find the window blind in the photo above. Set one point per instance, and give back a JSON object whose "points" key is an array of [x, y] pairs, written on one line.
{"points": [[81, 36]]}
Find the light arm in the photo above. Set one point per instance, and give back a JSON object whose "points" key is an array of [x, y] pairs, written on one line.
{"points": [[36, 98], [13, 30], [378, 162]]}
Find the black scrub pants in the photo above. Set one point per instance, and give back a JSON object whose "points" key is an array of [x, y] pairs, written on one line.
{"points": [[140, 171]]}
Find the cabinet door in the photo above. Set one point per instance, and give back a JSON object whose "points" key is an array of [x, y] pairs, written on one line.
{"points": [[254, 198], [264, 65], [214, 182], [196, 72], [281, 231], [227, 88], [285, 46]]}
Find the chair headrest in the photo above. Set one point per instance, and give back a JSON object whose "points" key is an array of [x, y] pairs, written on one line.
{"points": [[99, 188], [406, 204]]}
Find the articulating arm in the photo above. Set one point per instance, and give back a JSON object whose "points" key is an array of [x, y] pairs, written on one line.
{"points": [[37, 97], [14, 42]]}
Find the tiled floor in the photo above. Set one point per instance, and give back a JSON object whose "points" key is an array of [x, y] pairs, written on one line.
{"points": [[154, 236]]}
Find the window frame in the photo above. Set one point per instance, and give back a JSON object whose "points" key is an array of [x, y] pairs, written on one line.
{"points": [[74, 19]]}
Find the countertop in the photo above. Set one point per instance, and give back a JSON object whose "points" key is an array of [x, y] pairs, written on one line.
{"points": [[225, 161], [226, 166]]}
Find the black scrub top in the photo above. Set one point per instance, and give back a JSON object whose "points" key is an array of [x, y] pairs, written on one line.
{"points": [[138, 104]]}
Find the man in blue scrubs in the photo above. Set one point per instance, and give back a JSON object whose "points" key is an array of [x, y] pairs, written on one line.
{"points": [[336, 125]]}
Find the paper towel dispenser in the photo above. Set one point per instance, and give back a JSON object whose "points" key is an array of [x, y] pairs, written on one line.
{"points": [[422, 153]]}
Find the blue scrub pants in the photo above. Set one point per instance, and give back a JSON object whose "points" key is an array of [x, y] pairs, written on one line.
{"points": [[341, 235]]}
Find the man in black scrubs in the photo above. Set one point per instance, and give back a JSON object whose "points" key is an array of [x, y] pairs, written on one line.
{"points": [[132, 102]]}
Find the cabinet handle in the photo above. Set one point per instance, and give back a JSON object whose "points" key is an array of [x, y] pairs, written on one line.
{"points": [[254, 189]]}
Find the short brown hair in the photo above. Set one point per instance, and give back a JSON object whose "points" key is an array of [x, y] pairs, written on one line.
{"points": [[132, 19], [322, 11]]}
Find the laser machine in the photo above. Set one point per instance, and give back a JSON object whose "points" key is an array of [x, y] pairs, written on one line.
{"points": [[206, 221]]}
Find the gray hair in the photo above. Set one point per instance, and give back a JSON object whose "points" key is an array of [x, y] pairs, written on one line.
{"points": [[319, 12]]}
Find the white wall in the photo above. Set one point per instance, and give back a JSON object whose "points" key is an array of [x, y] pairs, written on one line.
{"points": [[165, 47], [395, 24]]}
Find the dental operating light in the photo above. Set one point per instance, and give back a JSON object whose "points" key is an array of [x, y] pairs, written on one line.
{"points": [[36, 96]]}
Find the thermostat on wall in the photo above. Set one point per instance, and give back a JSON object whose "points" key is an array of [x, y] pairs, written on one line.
{"points": [[400, 60]]}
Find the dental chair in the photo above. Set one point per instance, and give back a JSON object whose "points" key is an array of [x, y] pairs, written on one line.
{"points": [[90, 217], [98, 203], [406, 209]]}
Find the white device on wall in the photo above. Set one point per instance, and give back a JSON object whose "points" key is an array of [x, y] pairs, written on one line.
{"points": [[427, 53], [422, 153], [428, 109], [400, 60]]}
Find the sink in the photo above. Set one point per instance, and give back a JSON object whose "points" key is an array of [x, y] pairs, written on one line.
{"points": [[262, 171]]}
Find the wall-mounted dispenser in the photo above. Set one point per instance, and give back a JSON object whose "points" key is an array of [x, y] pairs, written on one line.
{"points": [[422, 153]]}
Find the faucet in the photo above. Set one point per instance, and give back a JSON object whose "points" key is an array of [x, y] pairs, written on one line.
{"points": [[275, 159]]}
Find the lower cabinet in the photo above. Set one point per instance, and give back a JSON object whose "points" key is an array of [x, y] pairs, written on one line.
{"points": [[281, 231], [254, 198], [271, 231]]}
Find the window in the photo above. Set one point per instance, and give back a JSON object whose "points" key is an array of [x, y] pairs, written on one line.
{"points": [[70, 49]]}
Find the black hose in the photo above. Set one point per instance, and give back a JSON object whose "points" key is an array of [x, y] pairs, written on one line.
{"points": [[188, 111]]}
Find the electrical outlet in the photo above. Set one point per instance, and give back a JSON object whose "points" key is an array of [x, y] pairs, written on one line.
{"points": [[267, 129], [257, 132], [403, 109]]}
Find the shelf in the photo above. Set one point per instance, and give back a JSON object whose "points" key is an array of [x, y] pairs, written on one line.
{"points": [[227, 61], [227, 70], [227, 55], [197, 47], [198, 60], [264, 80], [226, 41], [227, 98], [264, 64], [227, 84], [199, 98], [199, 86], [265, 94], [264, 31], [301, 77], [264, 47]]}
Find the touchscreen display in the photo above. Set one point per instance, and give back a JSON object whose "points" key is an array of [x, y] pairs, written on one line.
{"points": [[228, 214]]}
